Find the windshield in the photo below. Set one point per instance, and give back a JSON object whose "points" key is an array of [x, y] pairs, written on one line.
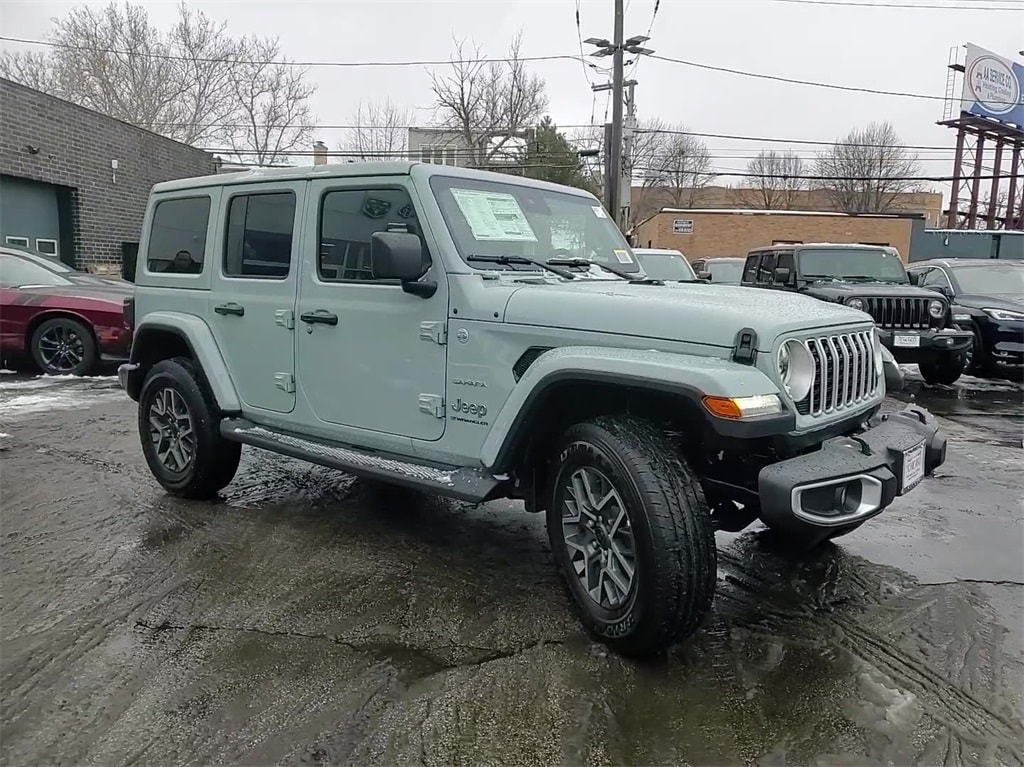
{"points": [[725, 271], [16, 271], [993, 279], [492, 218], [665, 266], [853, 264]]}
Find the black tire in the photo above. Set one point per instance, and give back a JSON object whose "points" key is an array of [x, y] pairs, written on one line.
{"points": [[672, 537], [944, 369], [213, 460], [60, 334], [978, 362]]}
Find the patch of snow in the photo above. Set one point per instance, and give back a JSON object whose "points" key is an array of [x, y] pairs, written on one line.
{"points": [[6, 372], [4, 435]]}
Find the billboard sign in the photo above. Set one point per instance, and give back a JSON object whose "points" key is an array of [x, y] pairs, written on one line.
{"points": [[993, 86]]}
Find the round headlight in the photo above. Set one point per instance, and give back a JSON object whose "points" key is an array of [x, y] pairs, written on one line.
{"points": [[796, 369], [856, 303], [936, 308]]}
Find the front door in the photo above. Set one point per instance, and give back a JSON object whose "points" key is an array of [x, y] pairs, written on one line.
{"points": [[252, 299], [370, 355]]}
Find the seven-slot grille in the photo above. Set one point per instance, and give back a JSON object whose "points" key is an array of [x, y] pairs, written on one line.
{"points": [[898, 313], [844, 372]]}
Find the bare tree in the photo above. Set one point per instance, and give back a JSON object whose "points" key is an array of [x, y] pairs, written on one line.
{"points": [[195, 83], [488, 103], [271, 104], [867, 171], [775, 181], [675, 165], [380, 131]]}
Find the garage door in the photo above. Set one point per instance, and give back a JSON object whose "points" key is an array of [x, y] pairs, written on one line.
{"points": [[29, 215]]}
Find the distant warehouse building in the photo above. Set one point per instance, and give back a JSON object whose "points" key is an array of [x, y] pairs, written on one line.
{"points": [[74, 182], [713, 232]]}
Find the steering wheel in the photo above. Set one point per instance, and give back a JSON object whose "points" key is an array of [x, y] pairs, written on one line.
{"points": [[562, 251]]}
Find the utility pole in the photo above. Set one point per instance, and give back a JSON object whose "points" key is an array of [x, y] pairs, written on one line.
{"points": [[614, 132], [626, 202]]}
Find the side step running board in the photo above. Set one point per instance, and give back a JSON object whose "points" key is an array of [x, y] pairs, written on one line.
{"points": [[465, 484]]}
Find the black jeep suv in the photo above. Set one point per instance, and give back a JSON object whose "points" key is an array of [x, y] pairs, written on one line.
{"points": [[914, 323]]}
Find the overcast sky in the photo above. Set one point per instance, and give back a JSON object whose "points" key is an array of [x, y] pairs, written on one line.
{"points": [[903, 49]]}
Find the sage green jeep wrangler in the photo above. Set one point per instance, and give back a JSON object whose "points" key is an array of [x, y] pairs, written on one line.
{"points": [[482, 336]]}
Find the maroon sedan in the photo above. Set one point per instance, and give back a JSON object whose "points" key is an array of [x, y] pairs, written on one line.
{"points": [[67, 321]]}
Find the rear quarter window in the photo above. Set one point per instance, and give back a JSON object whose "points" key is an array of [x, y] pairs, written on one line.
{"points": [[177, 238]]}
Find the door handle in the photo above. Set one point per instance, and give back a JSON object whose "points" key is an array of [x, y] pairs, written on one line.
{"points": [[319, 316], [230, 308]]}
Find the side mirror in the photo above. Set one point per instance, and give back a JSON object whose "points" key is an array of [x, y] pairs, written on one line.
{"points": [[781, 275], [946, 291], [915, 277], [400, 256], [704, 274]]}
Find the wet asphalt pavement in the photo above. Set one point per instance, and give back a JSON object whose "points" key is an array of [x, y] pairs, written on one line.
{"points": [[312, 619]]}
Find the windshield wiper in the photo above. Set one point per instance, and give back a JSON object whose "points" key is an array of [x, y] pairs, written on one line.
{"points": [[510, 260], [578, 261]]}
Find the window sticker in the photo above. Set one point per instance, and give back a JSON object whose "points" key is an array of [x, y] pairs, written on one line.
{"points": [[598, 211], [494, 216], [623, 256]]}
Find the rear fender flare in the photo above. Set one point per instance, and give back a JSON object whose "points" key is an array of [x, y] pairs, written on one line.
{"points": [[199, 338]]}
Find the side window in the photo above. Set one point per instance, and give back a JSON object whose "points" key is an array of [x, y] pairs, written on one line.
{"points": [[750, 270], [934, 278], [764, 272], [786, 261], [348, 218], [177, 241], [259, 235]]}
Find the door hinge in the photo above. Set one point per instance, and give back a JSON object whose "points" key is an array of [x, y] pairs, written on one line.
{"points": [[285, 382], [434, 331], [432, 404], [285, 318]]}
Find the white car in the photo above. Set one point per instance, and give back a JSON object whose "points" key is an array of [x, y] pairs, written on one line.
{"points": [[665, 264]]}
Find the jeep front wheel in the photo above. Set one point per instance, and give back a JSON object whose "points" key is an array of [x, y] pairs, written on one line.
{"points": [[943, 369], [631, 533], [179, 430]]}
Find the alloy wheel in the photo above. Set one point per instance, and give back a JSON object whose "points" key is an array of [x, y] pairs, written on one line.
{"points": [[171, 430], [599, 537], [61, 348]]}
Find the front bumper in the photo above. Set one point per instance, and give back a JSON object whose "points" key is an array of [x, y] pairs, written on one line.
{"points": [[852, 478], [911, 346]]}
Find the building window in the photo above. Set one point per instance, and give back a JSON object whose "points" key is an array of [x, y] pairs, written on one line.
{"points": [[443, 154], [177, 238], [16, 241], [49, 247], [259, 235], [349, 218]]}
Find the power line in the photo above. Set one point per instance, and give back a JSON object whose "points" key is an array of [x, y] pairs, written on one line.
{"points": [[850, 4], [257, 62], [438, 62]]}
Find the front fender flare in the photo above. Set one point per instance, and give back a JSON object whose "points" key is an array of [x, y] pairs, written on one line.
{"points": [[199, 338], [684, 374]]}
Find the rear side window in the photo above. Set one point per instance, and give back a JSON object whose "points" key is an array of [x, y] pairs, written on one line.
{"points": [[764, 273], [259, 235], [177, 240], [750, 270]]}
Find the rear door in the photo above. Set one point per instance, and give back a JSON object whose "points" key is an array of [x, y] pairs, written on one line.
{"points": [[253, 290]]}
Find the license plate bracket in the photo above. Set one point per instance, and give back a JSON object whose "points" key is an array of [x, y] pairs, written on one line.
{"points": [[906, 341], [912, 470]]}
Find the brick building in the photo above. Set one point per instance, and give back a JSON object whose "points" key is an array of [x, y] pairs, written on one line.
{"points": [[74, 182], [709, 233], [646, 202]]}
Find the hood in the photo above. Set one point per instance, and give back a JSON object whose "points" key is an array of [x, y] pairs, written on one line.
{"points": [[843, 290], [1012, 302], [697, 312], [111, 283]]}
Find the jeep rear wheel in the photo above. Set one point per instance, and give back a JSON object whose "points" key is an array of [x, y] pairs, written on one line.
{"points": [[631, 534], [179, 430], [944, 369]]}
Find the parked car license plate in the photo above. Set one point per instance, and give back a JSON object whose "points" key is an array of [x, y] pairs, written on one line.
{"points": [[913, 467], [907, 341]]}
